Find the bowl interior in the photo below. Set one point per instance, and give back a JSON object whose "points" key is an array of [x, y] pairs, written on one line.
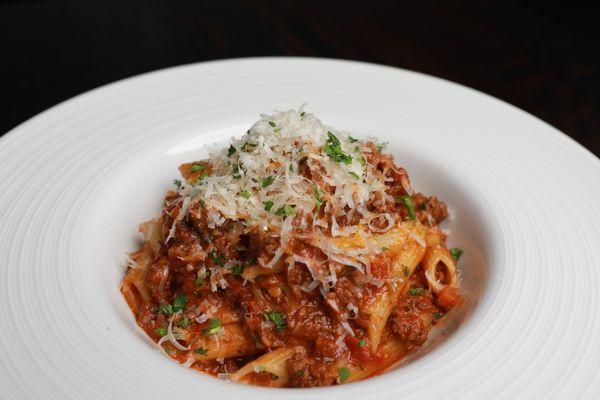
{"points": [[136, 192]]}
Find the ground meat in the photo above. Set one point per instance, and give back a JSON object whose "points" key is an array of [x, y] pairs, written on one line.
{"points": [[309, 321], [410, 327], [158, 279], [306, 372], [430, 210], [185, 248], [412, 318], [326, 347]]}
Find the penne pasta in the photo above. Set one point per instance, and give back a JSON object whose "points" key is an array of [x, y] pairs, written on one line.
{"points": [[230, 341], [273, 362], [298, 256]]}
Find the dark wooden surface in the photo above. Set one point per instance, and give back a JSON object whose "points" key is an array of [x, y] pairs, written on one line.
{"points": [[543, 57]]}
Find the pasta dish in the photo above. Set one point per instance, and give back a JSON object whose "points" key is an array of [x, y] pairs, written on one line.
{"points": [[296, 256]]}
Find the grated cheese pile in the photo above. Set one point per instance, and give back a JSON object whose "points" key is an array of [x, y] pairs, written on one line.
{"points": [[257, 181]]}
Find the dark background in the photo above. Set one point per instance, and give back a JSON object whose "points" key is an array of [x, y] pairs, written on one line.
{"points": [[541, 56]]}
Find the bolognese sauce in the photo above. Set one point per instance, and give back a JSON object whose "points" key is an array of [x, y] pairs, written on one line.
{"points": [[297, 256]]}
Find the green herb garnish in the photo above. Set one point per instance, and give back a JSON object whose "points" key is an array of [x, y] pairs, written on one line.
{"points": [[245, 147], [422, 206], [213, 327], [351, 139], [344, 373], [166, 309], [184, 322], [162, 331], [264, 182], [415, 291], [277, 318], [333, 149], [286, 210], [268, 205], [319, 198], [436, 315], [362, 342], [354, 174], [245, 194], [201, 350], [231, 151], [456, 252], [177, 183], [179, 302], [236, 171], [406, 271], [218, 259], [408, 203], [201, 178], [272, 124], [198, 167], [381, 146]]}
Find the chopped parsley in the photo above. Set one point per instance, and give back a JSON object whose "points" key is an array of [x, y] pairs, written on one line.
{"points": [[264, 182], [384, 249], [318, 197], [277, 318], [245, 194], [214, 326], [218, 259], [362, 343], [201, 350], [179, 302], [302, 114], [406, 271], [351, 139], [162, 331], [286, 210], [268, 205], [436, 315], [415, 291], [456, 252], [344, 373], [272, 124], [354, 174], [166, 309], [198, 167], [422, 206], [333, 149], [300, 373], [200, 178], [291, 168], [248, 147], [231, 151], [177, 183], [381, 146], [235, 170], [261, 368], [410, 207], [237, 269], [199, 281], [184, 322]]}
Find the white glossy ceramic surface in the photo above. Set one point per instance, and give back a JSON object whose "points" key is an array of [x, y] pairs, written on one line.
{"points": [[77, 179]]}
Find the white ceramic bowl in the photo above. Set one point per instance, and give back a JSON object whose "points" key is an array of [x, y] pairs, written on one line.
{"points": [[76, 180]]}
